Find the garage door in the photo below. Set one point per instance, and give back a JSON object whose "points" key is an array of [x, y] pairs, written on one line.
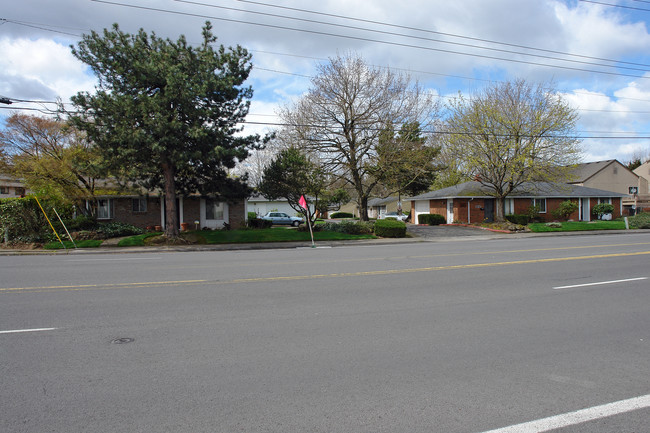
{"points": [[421, 206]]}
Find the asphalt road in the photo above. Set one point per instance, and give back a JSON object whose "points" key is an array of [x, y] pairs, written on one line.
{"points": [[467, 336]]}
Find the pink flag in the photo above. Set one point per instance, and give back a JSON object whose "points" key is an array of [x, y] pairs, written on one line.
{"points": [[303, 202]]}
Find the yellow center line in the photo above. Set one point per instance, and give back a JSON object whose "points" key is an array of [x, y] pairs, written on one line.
{"points": [[319, 276], [424, 256], [102, 286], [435, 268]]}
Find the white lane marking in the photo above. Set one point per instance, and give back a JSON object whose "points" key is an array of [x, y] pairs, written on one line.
{"points": [[600, 282], [577, 417], [14, 331]]}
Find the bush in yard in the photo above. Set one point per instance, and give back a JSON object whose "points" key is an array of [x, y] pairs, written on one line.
{"points": [[640, 221], [258, 223], [23, 220], [520, 219], [533, 213], [251, 216], [432, 219], [338, 215], [115, 229], [564, 211], [390, 229], [82, 222], [602, 209], [347, 227]]}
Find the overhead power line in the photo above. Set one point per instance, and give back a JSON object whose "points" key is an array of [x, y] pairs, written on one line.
{"points": [[435, 32], [365, 39], [350, 27], [37, 26], [437, 132], [433, 132], [616, 6], [45, 27]]}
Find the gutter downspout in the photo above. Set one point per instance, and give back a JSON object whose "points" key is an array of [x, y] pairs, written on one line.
{"points": [[469, 207]]}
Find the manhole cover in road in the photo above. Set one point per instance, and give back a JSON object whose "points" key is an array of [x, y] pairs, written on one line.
{"points": [[123, 340]]}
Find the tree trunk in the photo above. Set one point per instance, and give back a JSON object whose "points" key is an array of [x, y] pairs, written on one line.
{"points": [[499, 210], [363, 208], [171, 220]]}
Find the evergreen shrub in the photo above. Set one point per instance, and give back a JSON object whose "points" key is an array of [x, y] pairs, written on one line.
{"points": [[390, 228], [520, 219], [338, 215], [431, 219]]}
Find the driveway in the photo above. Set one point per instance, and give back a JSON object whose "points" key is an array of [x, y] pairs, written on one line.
{"points": [[434, 232]]}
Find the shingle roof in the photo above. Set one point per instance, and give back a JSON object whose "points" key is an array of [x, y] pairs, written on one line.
{"points": [[529, 189], [584, 171], [383, 201]]}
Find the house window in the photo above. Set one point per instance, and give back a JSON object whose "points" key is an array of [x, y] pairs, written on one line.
{"points": [[20, 191], [139, 204], [541, 202], [4, 190], [509, 206], [605, 200], [213, 209], [104, 208]]}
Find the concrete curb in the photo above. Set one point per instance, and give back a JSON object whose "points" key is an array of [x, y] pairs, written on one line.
{"points": [[490, 235]]}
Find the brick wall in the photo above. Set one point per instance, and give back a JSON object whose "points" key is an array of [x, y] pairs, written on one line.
{"points": [[522, 205], [123, 212], [191, 210], [438, 206], [237, 214], [477, 210]]}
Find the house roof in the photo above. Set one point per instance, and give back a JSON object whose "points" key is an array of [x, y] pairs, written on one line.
{"points": [[383, 201], [643, 170], [587, 170], [529, 189]]}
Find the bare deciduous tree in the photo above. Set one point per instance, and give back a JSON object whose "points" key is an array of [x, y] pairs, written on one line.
{"points": [[52, 157], [512, 133], [344, 113]]}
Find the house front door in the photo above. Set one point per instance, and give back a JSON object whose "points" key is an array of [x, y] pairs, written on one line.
{"points": [[584, 209], [489, 210], [450, 210]]}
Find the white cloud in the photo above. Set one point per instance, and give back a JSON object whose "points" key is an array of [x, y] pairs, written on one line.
{"points": [[594, 30], [40, 69], [33, 65]]}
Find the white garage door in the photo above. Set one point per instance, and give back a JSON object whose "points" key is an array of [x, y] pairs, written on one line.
{"points": [[421, 206]]}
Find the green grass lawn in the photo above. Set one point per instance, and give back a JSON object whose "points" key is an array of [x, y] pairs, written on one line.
{"points": [[276, 234], [137, 240], [572, 226], [279, 234], [89, 243]]}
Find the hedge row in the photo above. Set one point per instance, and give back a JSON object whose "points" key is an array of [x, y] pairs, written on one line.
{"points": [[23, 222], [520, 219], [640, 221], [431, 219], [388, 228]]}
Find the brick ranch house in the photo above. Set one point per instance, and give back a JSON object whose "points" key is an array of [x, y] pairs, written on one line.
{"points": [[470, 202], [149, 210]]}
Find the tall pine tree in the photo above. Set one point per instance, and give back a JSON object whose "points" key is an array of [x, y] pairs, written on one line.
{"points": [[165, 114]]}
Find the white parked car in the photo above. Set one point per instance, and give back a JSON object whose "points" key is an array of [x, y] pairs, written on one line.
{"points": [[283, 218], [402, 217]]}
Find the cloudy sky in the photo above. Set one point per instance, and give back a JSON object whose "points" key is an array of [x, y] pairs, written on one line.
{"points": [[597, 53]]}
